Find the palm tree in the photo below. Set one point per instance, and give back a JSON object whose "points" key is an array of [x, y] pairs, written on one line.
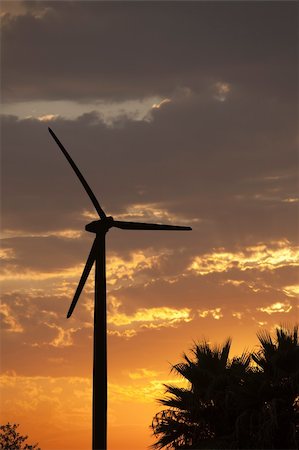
{"points": [[201, 415], [232, 404], [270, 419]]}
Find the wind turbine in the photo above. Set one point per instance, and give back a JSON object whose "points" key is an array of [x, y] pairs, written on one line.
{"points": [[98, 255]]}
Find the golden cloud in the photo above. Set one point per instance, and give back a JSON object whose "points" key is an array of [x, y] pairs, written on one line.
{"points": [[277, 307], [143, 318], [9, 319], [128, 333], [290, 200], [47, 117], [164, 314], [142, 373], [64, 336], [291, 291], [66, 233], [262, 323], [215, 313], [255, 286], [237, 315], [119, 268], [161, 103], [141, 393], [262, 257], [146, 211], [13, 273], [7, 254]]}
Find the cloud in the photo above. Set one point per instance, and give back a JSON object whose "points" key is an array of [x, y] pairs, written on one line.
{"points": [[215, 313], [47, 117], [277, 307], [134, 268], [7, 254], [161, 103], [67, 233], [291, 291], [141, 393], [152, 212], [260, 257], [238, 315], [142, 373], [222, 91], [10, 322], [126, 334], [207, 184], [249, 44], [12, 273], [156, 317], [64, 336]]}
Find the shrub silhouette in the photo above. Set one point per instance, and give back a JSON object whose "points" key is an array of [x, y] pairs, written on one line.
{"points": [[251, 401], [10, 439]]}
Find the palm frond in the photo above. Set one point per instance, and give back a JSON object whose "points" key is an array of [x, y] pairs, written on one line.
{"points": [[224, 352]]}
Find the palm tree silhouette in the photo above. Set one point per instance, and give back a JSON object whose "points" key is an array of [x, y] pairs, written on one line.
{"points": [[200, 416], [231, 403], [270, 418]]}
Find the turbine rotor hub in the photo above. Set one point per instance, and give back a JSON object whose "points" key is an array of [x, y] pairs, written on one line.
{"points": [[100, 226]]}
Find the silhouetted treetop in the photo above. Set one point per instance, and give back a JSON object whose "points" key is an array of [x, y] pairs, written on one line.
{"points": [[250, 401], [11, 439]]}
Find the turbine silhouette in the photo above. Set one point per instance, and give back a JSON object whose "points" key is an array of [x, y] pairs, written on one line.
{"points": [[97, 255]]}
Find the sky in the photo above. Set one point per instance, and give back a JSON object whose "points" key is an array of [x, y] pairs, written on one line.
{"points": [[176, 112]]}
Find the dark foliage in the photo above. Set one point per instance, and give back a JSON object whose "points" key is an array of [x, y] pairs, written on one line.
{"points": [[248, 402], [10, 439]]}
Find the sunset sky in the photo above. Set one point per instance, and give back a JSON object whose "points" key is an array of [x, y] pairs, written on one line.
{"points": [[176, 112]]}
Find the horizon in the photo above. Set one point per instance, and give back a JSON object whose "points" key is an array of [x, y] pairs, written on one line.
{"points": [[177, 113]]}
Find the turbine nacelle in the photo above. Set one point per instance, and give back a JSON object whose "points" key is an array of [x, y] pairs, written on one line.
{"points": [[100, 226]]}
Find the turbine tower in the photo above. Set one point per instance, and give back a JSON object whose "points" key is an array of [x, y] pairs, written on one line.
{"points": [[97, 255]]}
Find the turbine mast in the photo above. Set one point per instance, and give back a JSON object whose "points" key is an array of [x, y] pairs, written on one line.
{"points": [[98, 255], [99, 400]]}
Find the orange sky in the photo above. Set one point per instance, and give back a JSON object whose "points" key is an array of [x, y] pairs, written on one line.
{"points": [[197, 128]]}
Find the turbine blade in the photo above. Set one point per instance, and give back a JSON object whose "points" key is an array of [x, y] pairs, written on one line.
{"points": [[147, 226], [84, 276], [80, 176]]}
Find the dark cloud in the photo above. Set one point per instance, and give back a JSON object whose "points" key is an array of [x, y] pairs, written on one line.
{"points": [[46, 253], [230, 164], [123, 50], [209, 292]]}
